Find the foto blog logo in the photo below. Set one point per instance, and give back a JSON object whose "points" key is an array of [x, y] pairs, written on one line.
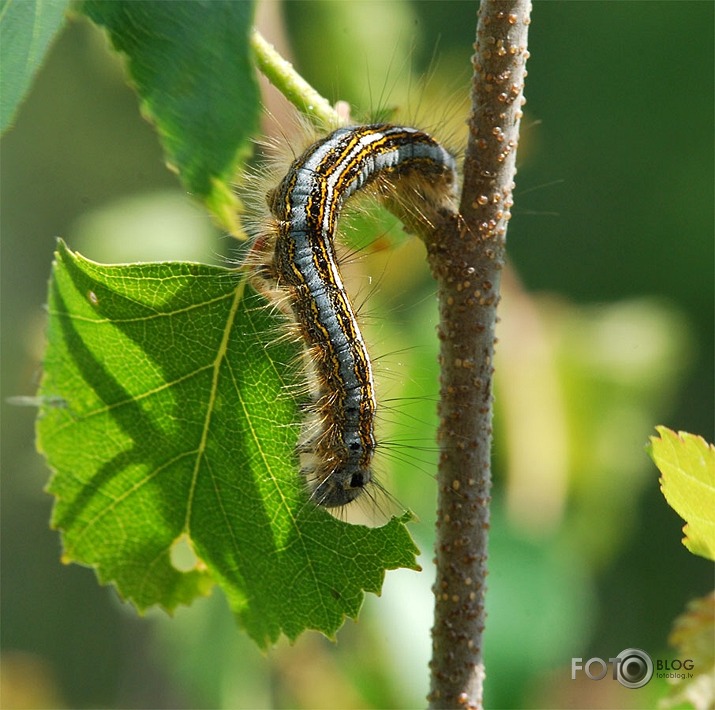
{"points": [[632, 668]]}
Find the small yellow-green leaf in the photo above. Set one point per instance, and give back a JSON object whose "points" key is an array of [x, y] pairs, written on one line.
{"points": [[170, 423], [687, 465]]}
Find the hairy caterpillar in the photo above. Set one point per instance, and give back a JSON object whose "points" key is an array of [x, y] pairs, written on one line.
{"points": [[402, 164]]}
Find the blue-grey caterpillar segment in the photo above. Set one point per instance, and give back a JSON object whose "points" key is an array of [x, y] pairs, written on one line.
{"points": [[400, 162]]}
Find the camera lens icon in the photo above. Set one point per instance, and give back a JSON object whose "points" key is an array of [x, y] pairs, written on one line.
{"points": [[635, 668]]}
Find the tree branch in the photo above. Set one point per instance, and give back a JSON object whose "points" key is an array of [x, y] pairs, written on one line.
{"points": [[466, 256]]}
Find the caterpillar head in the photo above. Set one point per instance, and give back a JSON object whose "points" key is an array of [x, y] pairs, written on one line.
{"points": [[341, 487]]}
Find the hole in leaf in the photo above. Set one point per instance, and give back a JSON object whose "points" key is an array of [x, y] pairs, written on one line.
{"points": [[183, 557]]}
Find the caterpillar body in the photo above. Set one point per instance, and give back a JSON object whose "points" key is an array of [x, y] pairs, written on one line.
{"points": [[402, 164]]}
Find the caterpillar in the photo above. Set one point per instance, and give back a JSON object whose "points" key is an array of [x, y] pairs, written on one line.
{"points": [[402, 164]]}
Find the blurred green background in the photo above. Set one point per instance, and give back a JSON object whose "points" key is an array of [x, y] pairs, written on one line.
{"points": [[606, 330]]}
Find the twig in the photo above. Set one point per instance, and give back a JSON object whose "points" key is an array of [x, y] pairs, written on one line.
{"points": [[285, 78], [466, 257]]}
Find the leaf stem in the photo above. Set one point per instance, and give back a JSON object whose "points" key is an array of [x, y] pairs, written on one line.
{"points": [[281, 73], [467, 257]]}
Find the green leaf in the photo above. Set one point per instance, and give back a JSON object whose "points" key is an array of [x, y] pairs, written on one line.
{"points": [[27, 28], [693, 637], [687, 463], [171, 429], [191, 65]]}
